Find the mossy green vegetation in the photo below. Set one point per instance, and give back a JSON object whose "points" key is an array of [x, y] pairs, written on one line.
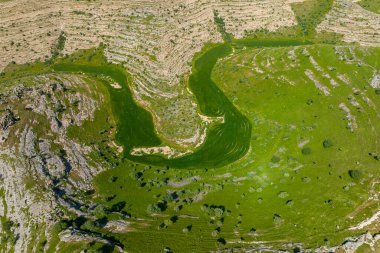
{"points": [[219, 21], [371, 5], [310, 13]]}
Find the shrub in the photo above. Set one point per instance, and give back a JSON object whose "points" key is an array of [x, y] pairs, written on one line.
{"points": [[297, 250], [109, 198], [355, 174], [138, 175], [221, 241], [61, 153], [162, 205], [174, 219], [282, 194], [168, 222], [153, 208], [118, 206], [187, 229], [178, 207], [218, 212], [277, 220], [327, 143], [306, 151], [112, 179], [289, 202], [99, 211], [275, 159], [215, 233], [61, 41], [89, 225], [59, 107]]}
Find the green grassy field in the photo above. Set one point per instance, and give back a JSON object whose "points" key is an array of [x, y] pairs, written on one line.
{"points": [[371, 5], [296, 184], [296, 160]]}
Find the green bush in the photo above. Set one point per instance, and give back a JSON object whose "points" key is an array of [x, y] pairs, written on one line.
{"points": [[306, 151], [153, 208], [327, 143], [59, 107], [277, 220], [218, 212], [221, 242], [355, 174], [275, 159], [99, 211], [89, 225]]}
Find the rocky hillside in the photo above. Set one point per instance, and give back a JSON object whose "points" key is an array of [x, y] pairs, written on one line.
{"points": [[40, 166]]}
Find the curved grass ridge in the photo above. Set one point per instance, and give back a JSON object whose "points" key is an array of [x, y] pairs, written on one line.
{"points": [[225, 142]]}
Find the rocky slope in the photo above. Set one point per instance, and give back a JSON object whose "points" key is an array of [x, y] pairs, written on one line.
{"points": [[40, 167]]}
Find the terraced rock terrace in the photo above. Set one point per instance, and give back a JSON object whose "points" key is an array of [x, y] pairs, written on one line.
{"points": [[189, 126]]}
